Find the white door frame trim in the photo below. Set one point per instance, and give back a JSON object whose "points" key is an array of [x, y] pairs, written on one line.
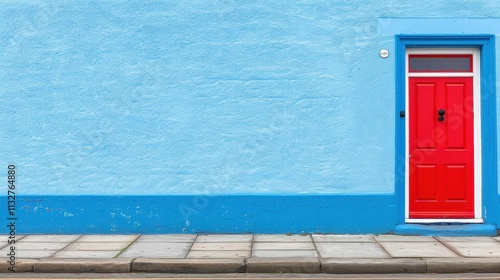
{"points": [[477, 127]]}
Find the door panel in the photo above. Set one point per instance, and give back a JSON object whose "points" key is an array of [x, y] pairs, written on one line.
{"points": [[426, 183], [441, 148], [425, 104], [455, 127], [456, 187]]}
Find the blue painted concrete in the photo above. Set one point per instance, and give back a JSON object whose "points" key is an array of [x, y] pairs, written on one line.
{"points": [[339, 214], [447, 230], [199, 213], [439, 25]]}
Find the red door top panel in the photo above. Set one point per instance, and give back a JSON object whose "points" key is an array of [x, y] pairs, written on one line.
{"points": [[440, 63]]}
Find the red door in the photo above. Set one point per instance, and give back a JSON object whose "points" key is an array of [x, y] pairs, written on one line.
{"points": [[441, 147]]}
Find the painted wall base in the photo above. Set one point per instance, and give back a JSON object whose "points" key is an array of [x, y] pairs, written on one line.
{"points": [[447, 230], [355, 214], [274, 214]]}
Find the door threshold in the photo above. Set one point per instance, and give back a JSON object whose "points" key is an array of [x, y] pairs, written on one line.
{"points": [[434, 221], [446, 229]]}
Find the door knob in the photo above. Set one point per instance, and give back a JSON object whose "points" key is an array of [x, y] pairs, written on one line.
{"points": [[441, 113]]}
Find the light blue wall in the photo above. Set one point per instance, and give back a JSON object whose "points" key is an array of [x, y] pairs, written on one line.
{"points": [[187, 97]]}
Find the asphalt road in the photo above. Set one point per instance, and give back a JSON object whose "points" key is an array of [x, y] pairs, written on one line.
{"points": [[154, 276]]}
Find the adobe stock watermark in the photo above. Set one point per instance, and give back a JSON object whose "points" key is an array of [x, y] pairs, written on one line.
{"points": [[11, 217], [35, 20]]}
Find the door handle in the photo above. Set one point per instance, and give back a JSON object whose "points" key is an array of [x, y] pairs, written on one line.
{"points": [[441, 113]]}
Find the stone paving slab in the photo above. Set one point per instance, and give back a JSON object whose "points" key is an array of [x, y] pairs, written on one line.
{"points": [[157, 250], [281, 238], [225, 238], [39, 246], [283, 265], [283, 246], [218, 254], [260, 265], [97, 246], [403, 238], [476, 249], [372, 266], [108, 238], [284, 254], [30, 254], [342, 238], [351, 250], [85, 254], [233, 246], [466, 239], [417, 250], [464, 265], [188, 265], [167, 238], [50, 238], [259, 253], [83, 265]]}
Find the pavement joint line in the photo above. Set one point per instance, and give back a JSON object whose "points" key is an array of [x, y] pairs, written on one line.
{"points": [[124, 249], [251, 250], [79, 238], [245, 262], [383, 248], [449, 247], [191, 246], [130, 265], [57, 251], [317, 251]]}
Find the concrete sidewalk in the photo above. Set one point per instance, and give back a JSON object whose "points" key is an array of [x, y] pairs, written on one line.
{"points": [[175, 253]]}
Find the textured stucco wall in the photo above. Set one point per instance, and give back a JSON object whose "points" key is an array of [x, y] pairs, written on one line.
{"points": [[173, 97]]}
